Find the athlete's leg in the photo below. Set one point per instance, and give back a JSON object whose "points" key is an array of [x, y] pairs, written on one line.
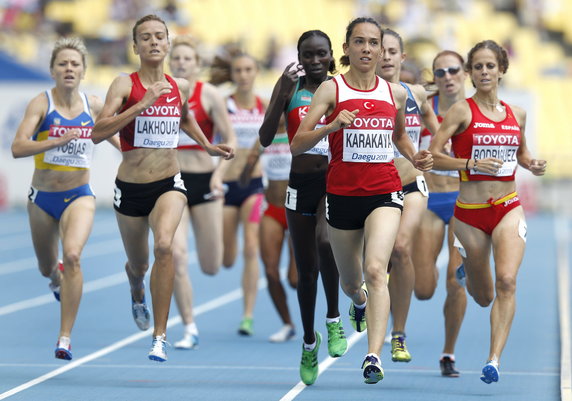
{"points": [[135, 236], [477, 245], [250, 219], [381, 228], [208, 229], [456, 300], [426, 249], [271, 241], [75, 226], [348, 249], [402, 273], [292, 273], [230, 228], [302, 232], [508, 251], [45, 238], [163, 221], [182, 288], [327, 263]]}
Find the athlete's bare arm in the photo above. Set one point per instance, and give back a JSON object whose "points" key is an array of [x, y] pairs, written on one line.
{"points": [[190, 126], [109, 122], [427, 114], [281, 94], [96, 105], [421, 160], [524, 157], [35, 113], [323, 103]]}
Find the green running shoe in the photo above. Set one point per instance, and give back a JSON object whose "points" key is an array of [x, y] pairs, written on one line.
{"points": [[246, 327], [357, 315], [372, 370], [399, 352], [309, 362], [337, 343]]}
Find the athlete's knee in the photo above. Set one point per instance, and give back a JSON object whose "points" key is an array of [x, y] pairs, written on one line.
{"points": [[423, 292], [399, 254], [293, 282], [353, 288], [483, 297], [71, 259], [272, 273], [250, 250], [505, 285], [162, 248], [375, 275], [307, 276], [209, 268]]}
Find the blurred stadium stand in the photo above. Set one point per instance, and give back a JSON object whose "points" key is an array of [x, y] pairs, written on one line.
{"points": [[537, 34]]}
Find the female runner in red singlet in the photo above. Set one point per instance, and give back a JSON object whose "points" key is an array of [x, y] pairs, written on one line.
{"points": [[203, 182], [488, 143], [364, 116], [147, 108]]}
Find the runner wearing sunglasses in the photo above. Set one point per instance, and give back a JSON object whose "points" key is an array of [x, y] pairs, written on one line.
{"points": [[443, 191]]}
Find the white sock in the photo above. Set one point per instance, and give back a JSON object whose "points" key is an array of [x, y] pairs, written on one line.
{"points": [[451, 356], [64, 342], [192, 329], [333, 319], [310, 347], [374, 355], [362, 306]]}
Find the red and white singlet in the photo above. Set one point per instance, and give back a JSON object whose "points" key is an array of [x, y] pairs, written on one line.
{"points": [[202, 117], [246, 122], [158, 125], [361, 155], [487, 138]]}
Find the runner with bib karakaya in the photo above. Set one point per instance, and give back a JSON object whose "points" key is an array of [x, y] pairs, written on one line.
{"points": [[488, 143], [146, 107], [364, 198]]}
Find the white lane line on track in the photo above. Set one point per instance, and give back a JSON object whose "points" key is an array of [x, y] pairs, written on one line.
{"points": [[90, 286], [199, 310], [97, 249], [562, 231], [24, 240], [322, 367], [416, 371]]}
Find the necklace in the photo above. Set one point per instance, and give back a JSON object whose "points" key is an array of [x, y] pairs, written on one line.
{"points": [[497, 105]]}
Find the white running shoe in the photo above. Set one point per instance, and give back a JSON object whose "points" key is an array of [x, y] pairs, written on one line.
{"points": [[286, 333], [141, 313], [158, 349], [189, 341], [63, 349], [56, 290]]}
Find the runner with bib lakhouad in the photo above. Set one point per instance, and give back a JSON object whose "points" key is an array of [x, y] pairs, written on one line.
{"points": [[147, 108]]}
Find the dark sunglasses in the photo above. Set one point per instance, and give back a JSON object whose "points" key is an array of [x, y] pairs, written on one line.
{"points": [[440, 72]]}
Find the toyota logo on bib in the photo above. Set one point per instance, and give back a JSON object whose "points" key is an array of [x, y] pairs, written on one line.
{"points": [[368, 105]]}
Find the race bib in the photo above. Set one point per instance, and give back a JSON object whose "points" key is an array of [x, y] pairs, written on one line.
{"points": [[321, 148], [502, 147], [277, 158], [413, 130], [75, 153], [367, 146], [156, 132], [246, 135]]}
